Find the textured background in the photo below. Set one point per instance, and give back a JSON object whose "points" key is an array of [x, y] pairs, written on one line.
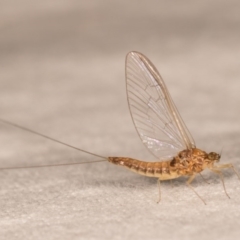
{"points": [[62, 74]]}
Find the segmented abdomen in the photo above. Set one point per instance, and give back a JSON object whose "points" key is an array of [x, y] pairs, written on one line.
{"points": [[161, 170]]}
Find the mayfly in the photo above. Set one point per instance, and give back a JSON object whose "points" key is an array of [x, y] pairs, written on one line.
{"points": [[160, 127]]}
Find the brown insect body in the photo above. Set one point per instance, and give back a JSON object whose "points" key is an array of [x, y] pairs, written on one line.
{"points": [[159, 126], [186, 163]]}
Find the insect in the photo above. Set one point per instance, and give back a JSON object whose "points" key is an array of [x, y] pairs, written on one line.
{"points": [[161, 129]]}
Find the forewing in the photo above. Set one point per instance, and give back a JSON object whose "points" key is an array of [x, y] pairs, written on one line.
{"points": [[153, 112]]}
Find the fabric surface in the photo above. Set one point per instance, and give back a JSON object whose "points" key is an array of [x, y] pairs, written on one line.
{"points": [[62, 74]]}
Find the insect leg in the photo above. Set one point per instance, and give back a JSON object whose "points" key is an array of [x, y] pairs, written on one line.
{"points": [[204, 179], [228, 165], [190, 186], [159, 190], [217, 170], [171, 183]]}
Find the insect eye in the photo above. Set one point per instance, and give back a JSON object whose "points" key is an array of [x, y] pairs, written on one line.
{"points": [[213, 156], [210, 156]]}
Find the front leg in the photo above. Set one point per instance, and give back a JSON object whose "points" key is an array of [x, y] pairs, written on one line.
{"points": [[217, 170], [228, 165]]}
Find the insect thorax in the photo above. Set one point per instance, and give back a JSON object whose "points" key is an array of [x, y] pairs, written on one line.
{"points": [[190, 161]]}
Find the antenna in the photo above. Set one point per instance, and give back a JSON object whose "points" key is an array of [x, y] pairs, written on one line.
{"points": [[221, 151]]}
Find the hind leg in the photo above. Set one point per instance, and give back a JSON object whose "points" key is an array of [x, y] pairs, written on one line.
{"points": [[159, 191]]}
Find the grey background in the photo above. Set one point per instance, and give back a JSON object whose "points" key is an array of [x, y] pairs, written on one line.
{"points": [[62, 74]]}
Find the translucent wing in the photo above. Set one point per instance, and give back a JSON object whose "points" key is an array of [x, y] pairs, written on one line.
{"points": [[153, 111]]}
